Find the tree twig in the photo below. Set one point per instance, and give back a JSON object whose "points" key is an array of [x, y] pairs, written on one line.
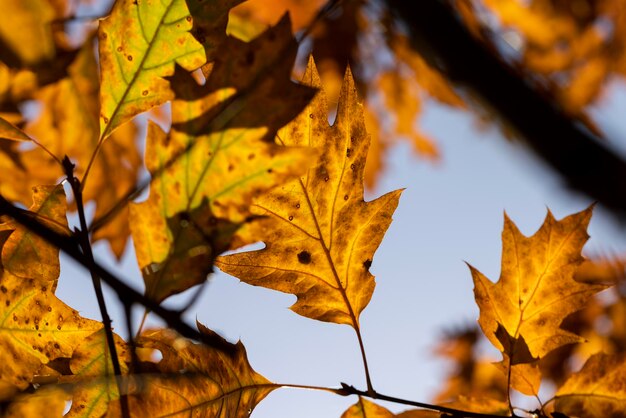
{"points": [[584, 162]]}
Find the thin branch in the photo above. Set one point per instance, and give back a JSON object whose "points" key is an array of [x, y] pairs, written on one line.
{"points": [[450, 412], [70, 246], [83, 238], [584, 162]]}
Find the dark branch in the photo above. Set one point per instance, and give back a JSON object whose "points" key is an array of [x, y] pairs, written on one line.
{"points": [[585, 163]]}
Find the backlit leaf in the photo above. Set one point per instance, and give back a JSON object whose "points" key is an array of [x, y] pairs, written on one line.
{"points": [[10, 131], [197, 380], [27, 255], [366, 409], [142, 40], [521, 314], [598, 390], [216, 159], [95, 385], [319, 234]]}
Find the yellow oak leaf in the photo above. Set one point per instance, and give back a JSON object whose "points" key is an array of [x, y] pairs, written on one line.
{"points": [[35, 326], [140, 43], [598, 390], [196, 380], [27, 255], [521, 314], [319, 233], [216, 158], [95, 386]]}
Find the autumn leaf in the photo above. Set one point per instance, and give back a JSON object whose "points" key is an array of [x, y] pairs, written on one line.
{"points": [[367, 409], [140, 43], [45, 402], [93, 379], [319, 234], [598, 390], [216, 159], [197, 380], [25, 30], [27, 255], [522, 313], [10, 131]]}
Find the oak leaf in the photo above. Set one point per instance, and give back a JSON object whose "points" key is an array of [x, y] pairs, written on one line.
{"points": [[140, 43], [196, 379], [216, 158], [93, 378], [367, 409], [522, 313], [319, 233], [597, 390], [27, 255]]}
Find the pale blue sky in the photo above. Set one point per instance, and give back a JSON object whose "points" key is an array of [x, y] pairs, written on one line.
{"points": [[449, 213]]}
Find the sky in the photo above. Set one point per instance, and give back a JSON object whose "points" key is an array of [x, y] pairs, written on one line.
{"points": [[450, 213]]}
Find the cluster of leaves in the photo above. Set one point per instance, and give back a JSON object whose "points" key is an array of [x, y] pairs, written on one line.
{"points": [[223, 175]]}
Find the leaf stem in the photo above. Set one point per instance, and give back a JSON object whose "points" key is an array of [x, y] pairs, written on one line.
{"points": [[85, 245]]}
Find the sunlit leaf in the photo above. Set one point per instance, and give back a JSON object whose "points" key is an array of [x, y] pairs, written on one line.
{"points": [[140, 43], [319, 234], [522, 313], [10, 131], [197, 380], [27, 255], [216, 159], [94, 383], [598, 390]]}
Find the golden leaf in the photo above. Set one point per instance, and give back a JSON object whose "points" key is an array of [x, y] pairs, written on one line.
{"points": [[197, 380], [25, 30], [140, 43], [319, 234], [366, 409], [598, 390], [95, 384], [521, 314], [10, 131], [27, 255], [216, 159]]}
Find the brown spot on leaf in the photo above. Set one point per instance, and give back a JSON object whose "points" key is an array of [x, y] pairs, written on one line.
{"points": [[345, 197], [3, 289], [119, 49], [129, 58], [144, 93], [297, 205], [304, 257], [367, 264], [290, 218]]}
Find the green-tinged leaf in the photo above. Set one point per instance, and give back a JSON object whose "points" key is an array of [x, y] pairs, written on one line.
{"points": [[320, 235], [95, 385], [598, 390], [140, 43], [197, 380], [46, 402], [216, 159]]}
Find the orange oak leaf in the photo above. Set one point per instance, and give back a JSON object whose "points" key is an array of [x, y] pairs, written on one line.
{"points": [[597, 390], [216, 158], [320, 235], [522, 313], [197, 380]]}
